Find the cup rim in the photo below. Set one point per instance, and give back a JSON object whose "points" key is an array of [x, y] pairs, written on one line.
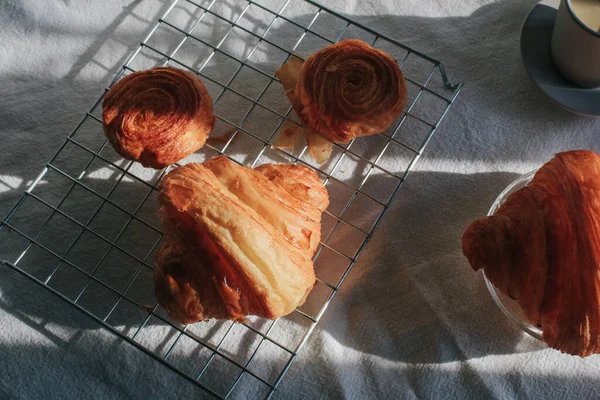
{"points": [[580, 22]]}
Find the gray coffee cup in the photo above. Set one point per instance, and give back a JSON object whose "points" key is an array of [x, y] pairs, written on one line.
{"points": [[575, 48]]}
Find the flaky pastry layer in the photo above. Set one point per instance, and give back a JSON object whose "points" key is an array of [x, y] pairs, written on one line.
{"points": [[350, 89], [158, 116], [238, 241], [542, 248]]}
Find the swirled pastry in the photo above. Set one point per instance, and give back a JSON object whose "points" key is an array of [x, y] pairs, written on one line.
{"points": [[350, 89], [542, 248], [158, 116], [238, 241]]}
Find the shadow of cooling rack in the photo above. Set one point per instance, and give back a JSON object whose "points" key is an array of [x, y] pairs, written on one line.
{"points": [[87, 228]]}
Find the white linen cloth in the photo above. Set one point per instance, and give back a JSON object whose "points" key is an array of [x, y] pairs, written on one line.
{"points": [[412, 320]]}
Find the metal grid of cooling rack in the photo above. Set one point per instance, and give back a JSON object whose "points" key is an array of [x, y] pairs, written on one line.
{"points": [[87, 230]]}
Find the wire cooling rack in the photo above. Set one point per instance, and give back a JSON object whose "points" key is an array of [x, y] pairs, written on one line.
{"points": [[87, 228]]}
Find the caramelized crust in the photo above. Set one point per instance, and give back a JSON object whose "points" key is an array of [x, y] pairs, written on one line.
{"points": [[238, 241], [542, 248], [350, 89], [158, 116]]}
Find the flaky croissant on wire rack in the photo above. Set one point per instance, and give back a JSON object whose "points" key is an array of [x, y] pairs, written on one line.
{"points": [[158, 116], [350, 89], [238, 241], [542, 248]]}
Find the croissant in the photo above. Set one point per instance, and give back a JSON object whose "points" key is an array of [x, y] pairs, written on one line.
{"points": [[158, 116], [542, 248], [350, 89], [238, 241]]}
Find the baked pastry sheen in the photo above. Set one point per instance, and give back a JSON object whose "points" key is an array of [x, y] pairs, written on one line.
{"points": [[238, 241], [158, 116], [542, 248], [350, 89]]}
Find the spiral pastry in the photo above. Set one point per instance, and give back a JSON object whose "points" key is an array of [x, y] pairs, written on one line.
{"points": [[158, 116], [350, 89]]}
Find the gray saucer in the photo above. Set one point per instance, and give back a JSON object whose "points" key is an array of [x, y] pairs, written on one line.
{"points": [[536, 35]]}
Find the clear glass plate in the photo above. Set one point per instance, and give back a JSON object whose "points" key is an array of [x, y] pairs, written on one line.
{"points": [[509, 306]]}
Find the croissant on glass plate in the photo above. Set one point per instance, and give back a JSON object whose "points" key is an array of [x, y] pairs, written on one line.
{"points": [[542, 248], [350, 89], [157, 116], [238, 241]]}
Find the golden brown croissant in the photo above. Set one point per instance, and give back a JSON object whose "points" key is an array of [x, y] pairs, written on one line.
{"points": [[350, 89], [542, 248], [238, 241], [158, 116]]}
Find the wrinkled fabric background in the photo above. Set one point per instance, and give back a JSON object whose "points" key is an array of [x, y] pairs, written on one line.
{"points": [[412, 320]]}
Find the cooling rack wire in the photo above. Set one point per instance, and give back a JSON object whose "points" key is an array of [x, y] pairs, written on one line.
{"points": [[87, 230]]}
